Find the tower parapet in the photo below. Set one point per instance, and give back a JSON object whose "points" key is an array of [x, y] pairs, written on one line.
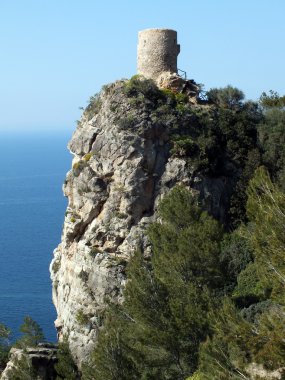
{"points": [[157, 52]]}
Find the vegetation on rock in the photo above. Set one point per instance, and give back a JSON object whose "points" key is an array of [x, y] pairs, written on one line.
{"points": [[4, 345], [209, 302], [171, 324], [65, 367]]}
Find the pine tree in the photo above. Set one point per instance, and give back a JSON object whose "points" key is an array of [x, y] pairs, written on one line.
{"points": [[22, 369], [266, 212], [156, 333], [254, 334], [224, 355], [32, 333], [65, 367]]}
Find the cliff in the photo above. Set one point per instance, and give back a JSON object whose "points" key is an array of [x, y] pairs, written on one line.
{"points": [[127, 155]]}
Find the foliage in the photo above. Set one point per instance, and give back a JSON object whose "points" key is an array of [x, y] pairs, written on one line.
{"points": [[228, 97], [4, 345], [94, 106], [216, 136], [205, 304], [254, 334], [87, 156], [170, 325], [56, 266], [266, 211], [272, 100], [267, 345], [179, 208], [235, 255], [156, 333], [94, 251], [216, 140], [32, 334], [78, 166], [223, 356], [272, 139], [65, 367], [110, 359], [127, 122], [195, 376], [249, 289], [236, 343], [23, 369], [184, 146], [82, 319], [193, 235], [140, 87]]}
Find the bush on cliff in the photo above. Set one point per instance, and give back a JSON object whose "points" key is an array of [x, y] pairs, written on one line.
{"points": [[65, 367], [156, 333], [253, 331], [32, 333], [189, 310], [4, 345]]}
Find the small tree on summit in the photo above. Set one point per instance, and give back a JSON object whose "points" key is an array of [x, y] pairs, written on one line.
{"points": [[228, 97]]}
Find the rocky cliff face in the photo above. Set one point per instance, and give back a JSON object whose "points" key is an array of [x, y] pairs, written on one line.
{"points": [[121, 168]]}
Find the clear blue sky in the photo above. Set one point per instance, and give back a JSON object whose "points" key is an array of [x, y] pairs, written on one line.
{"points": [[57, 53]]}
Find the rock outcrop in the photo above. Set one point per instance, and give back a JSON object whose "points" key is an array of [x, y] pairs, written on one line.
{"points": [[121, 168], [176, 83], [40, 360]]}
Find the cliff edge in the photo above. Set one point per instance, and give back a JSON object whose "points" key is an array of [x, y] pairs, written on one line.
{"points": [[133, 143]]}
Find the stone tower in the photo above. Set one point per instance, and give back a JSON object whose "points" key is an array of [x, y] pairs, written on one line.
{"points": [[157, 52]]}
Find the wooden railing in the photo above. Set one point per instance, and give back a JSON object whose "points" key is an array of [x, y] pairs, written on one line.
{"points": [[182, 74]]}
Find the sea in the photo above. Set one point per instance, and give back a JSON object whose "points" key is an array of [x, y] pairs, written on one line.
{"points": [[32, 206]]}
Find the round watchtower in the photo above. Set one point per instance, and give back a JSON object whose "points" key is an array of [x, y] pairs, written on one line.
{"points": [[157, 52]]}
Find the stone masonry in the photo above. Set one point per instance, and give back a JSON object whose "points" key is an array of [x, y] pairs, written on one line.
{"points": [[157, 52]]}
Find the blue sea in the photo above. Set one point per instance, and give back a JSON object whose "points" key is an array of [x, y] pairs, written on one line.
{"points": [[32, 206]]}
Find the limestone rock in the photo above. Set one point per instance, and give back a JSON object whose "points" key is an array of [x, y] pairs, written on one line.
{"points": [[257, 371], [41, 358], [122, 167], [176, 83]]}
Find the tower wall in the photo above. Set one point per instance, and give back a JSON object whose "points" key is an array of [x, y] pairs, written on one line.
{"points": [[157, 52]]}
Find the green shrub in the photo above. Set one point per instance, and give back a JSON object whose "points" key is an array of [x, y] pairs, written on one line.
{"points": [[272, 100], [94, 106], [78, 166], [83, 275], [139, 86], [249, 289], [195, 376], [56, 266], [228, 97], [81, 318], [181, 98], [235, 255], [65, 367], [184, 146], [32, 333], [120, 215], [128, 122], [94, 251], [22, 370], [87, 156], [4, 345]]}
